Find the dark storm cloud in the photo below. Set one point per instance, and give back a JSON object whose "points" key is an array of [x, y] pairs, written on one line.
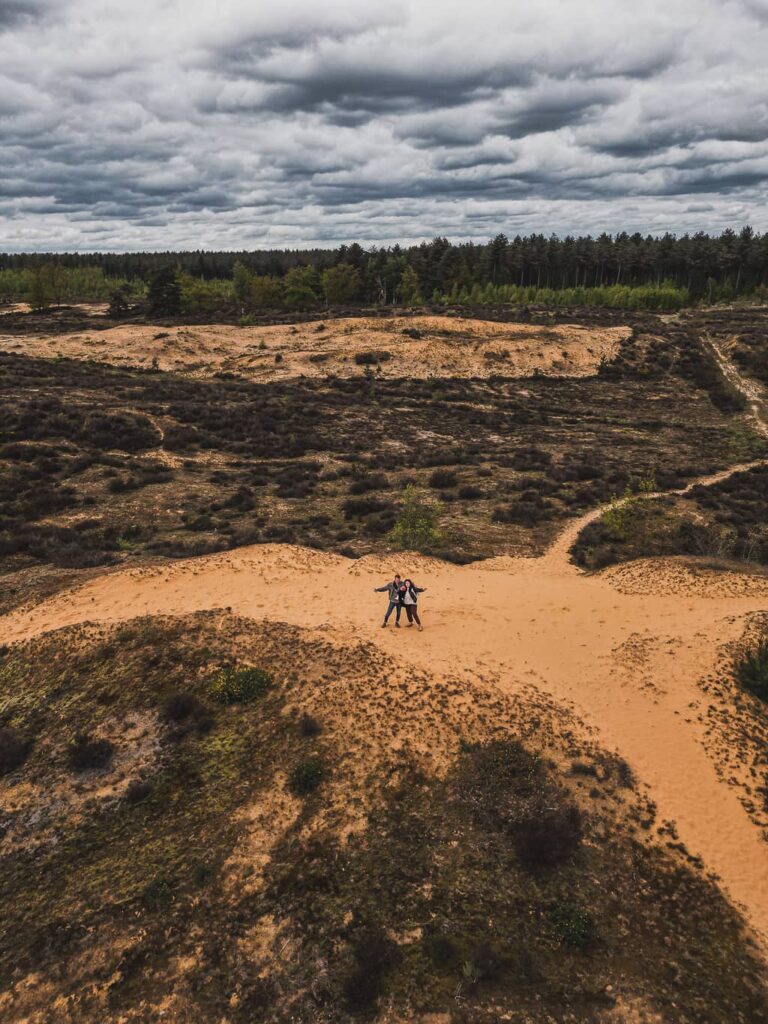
{"points": [[161, 125], [12, 12]]}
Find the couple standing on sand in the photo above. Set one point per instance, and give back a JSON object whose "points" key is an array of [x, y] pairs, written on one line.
{"points": [[402, 594]]}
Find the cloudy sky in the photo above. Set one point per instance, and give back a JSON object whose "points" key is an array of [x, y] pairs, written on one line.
{"points": [[244, 124]]}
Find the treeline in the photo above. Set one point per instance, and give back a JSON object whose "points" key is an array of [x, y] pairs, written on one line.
{"points": [[624, 271]]}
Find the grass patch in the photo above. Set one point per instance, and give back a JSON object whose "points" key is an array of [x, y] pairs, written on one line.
{"points": [[239, 685]]}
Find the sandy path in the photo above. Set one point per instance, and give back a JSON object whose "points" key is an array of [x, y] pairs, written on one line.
{"points": [[628, 658]]}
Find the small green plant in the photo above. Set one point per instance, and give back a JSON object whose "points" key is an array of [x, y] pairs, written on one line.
{"points": [[306, 777], [246, 320], [574, 926], [416, 527], [752, 669], [239, 685]]}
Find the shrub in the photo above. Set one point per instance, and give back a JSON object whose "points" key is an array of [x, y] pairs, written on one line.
{"points": [[86, 752], [573, 926], [14, 749], [309, 726], [416, 527], [470, 493], [157, 894], [372, 358], [375, 955], [137, 791], [548, 835], [442, 479], [507, 788], [306, 777], [239, 686], [752, 669], [179, 706]]}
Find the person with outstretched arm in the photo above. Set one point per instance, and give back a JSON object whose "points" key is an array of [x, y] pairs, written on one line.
{"points": [[395, 600], [410, 596]]}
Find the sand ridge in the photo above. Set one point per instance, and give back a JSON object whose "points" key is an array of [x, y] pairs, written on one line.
{"points": [[445, 346]]}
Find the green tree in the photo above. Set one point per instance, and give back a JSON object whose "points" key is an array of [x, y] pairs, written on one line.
{"points": [[242, 280], [40, 288], [164, 293], [416, 527], [266, 292], [341, 284], [410, 289], [118, 303], [301, 287]]}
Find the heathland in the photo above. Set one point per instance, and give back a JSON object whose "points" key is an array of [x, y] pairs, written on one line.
{"points": [[227, 794]]}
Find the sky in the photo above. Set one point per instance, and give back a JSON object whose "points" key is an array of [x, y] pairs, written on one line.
{"points": [[238, 124]]}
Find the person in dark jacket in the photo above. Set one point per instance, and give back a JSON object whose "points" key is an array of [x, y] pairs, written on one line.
{"points": [[395, 599], [410, 593]]}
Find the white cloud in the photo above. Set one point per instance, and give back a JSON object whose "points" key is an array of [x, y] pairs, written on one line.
{"points": [[232, 124]]}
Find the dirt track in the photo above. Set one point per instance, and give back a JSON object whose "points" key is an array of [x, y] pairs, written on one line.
{"points": [[628, 658]]}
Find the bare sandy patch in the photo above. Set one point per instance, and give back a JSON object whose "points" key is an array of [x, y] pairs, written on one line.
{"points": [[442, 346]]}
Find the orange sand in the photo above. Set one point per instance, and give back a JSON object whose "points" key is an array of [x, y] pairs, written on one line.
{"points": [[450, 346]]}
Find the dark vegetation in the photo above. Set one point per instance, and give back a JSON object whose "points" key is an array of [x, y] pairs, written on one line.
{"points": [[102, 464], [439, 904], [306, 777], [725, 520], [13, 749], [86, 752]]}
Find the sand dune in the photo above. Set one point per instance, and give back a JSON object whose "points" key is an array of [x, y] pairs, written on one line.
{"points": [[446, 346], [627, 658]]}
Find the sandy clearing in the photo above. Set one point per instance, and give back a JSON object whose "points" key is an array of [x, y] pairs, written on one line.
{"points": [[627, 660], [449, 346]]}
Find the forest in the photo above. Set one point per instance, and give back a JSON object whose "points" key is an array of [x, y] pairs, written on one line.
{"points": [[617, 271]]}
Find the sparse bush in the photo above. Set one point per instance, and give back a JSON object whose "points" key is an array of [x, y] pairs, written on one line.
{"points": [[306, 777], [375, 955], [239, 686], [138, 790], [548, 835], [372, 358], [86, 752], [508, 789], [179, 706], [574, 926], [14, 749], [416, 527], [441, 479], [309, 726], [157, 894], [752, 669], [469, 492]]}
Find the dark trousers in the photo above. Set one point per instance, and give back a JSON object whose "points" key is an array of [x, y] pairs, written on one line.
{"points": [[412, 613], [392, 606]]}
